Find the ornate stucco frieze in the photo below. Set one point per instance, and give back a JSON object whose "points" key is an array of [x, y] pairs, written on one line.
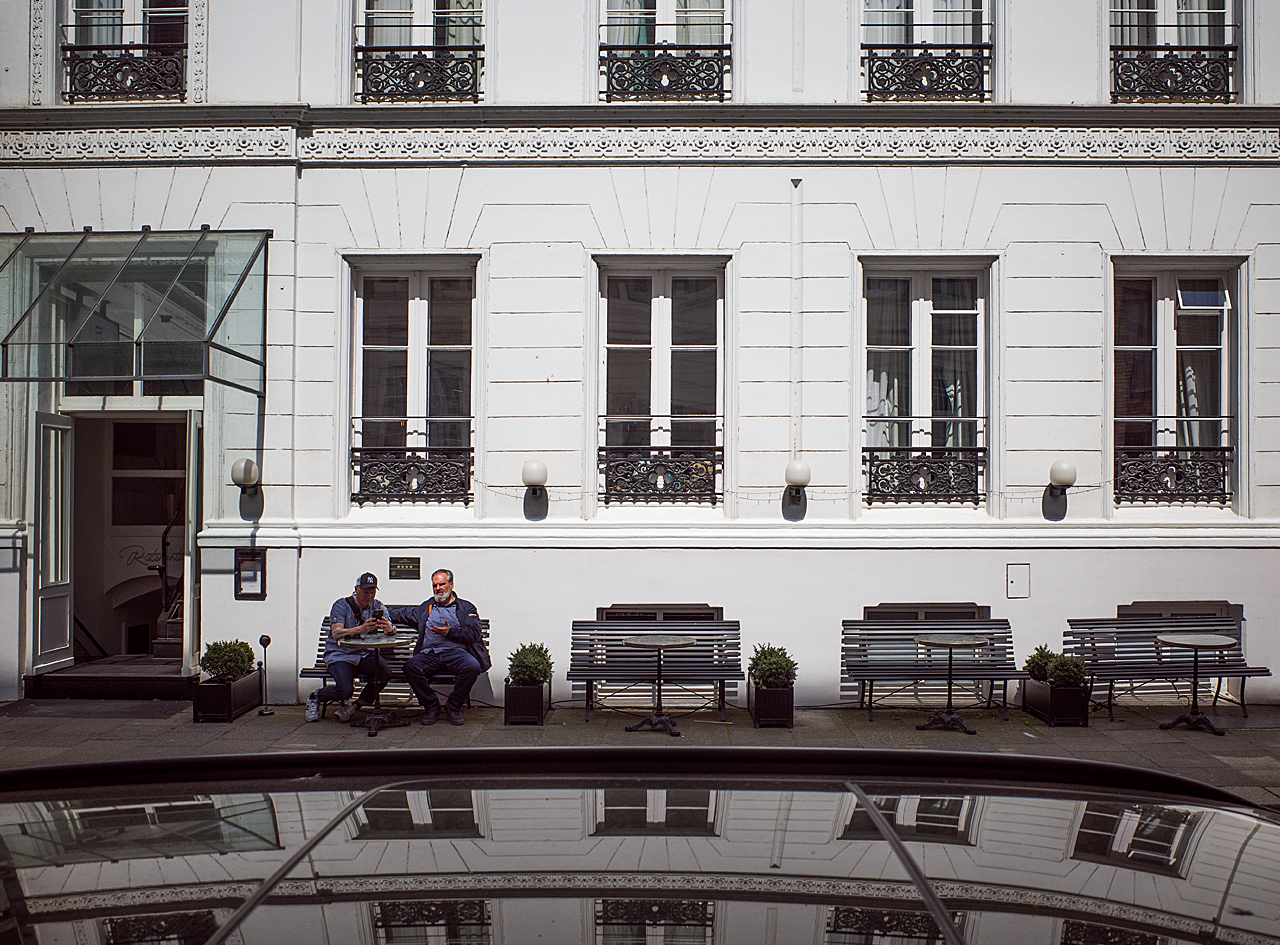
{"points": [[642, 145], [559, 145], [142, 144]]}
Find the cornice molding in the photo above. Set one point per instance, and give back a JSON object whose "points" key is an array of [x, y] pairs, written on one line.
{"points": [[282, 143]]}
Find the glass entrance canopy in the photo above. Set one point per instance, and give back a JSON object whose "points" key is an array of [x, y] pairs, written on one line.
{"points": [[107, 313]]}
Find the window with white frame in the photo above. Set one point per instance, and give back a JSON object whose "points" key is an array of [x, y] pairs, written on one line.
{"points": [[419, 50], [662, 384], [1174, 50], [1171, 380], [669, 811], [654, 922], [406, 814], [927, 49], [941, 819], [432, 922], [1147, 837], [664, 49], [413, 392], [125, 49], [923, 433]]}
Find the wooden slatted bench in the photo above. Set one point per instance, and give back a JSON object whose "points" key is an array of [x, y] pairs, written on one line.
{"points": [[396, 658], [886, 651], [1125, 649], [598, 655]]}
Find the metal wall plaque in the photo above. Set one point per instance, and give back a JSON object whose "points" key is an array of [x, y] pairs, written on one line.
{"points": [[404, 569]]}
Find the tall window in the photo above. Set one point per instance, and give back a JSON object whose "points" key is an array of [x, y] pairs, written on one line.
{"points": [[1172, 431], [413, 385], [1173, 50], [927, 49], [1147, 837], [942, 819], [662, 384], [407, 814], [654, 922], [125, 49], [419, 50], [665, 49], [433, 922], [669, 811], [923, 435]]}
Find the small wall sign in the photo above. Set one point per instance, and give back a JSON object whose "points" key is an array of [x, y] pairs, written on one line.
{"points": [[251, 574], [404, 569]]}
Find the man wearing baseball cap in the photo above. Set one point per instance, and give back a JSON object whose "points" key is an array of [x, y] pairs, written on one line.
{"points": [[362, 612]]}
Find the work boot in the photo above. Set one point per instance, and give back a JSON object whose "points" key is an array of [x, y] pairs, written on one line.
{"points": [[455, 717], [429, 717]]}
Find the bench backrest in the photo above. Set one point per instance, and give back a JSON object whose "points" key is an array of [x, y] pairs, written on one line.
{"points": [[597, 650], [1132, 640], [880, 641]]}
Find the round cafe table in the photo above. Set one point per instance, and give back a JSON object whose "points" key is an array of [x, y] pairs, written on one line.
{"points": [[379, 717], [951, 642], [1195, 642], [658, 642]]}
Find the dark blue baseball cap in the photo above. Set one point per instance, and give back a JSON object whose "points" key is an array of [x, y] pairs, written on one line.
{"points": [[368, 579]]}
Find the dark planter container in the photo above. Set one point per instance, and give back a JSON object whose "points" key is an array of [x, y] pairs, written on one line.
{"points": [[771, 707], [224, 701], [1057, 705], [525, 705]]}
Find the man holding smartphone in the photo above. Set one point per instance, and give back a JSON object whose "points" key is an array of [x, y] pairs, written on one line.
{"points": [[352, 616]]}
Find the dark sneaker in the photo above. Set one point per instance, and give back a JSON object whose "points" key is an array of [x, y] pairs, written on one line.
{"points": [[313, 707], [455, 717], [429, 717], [345, 713]]}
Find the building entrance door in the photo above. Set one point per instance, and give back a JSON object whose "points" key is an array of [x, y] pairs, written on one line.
{"points": [[52, 648]]}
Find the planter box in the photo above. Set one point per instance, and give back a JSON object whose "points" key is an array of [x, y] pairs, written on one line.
{"points": [[1056, 705], [525, 705], [224, 701], [771, 707]]}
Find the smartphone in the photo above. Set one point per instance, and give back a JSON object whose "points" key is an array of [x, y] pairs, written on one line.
{"points": [[379, 613]]}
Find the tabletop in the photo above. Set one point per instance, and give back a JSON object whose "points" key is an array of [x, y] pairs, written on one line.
{"points": [[658, 641], [1197, 641], [951, 640], [373, 641]]}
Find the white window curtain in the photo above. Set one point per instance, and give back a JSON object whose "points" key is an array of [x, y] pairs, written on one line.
{"points": [[388, 22]]}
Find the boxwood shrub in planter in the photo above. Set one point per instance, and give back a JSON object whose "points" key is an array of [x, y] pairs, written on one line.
{"points": [[1057, 691], [771, 677], [527, 694], [234, 686]]}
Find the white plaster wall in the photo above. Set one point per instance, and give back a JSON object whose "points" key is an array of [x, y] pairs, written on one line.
{"points": [[1054, 53]]}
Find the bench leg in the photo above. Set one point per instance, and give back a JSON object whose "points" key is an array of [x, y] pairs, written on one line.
{"points": [[1004, 698], [587, 708], [871, 698], [1111, 700], [724, 715], [1243, 708]]}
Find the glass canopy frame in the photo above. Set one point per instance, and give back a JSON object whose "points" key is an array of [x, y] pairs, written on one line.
{"points": [[166, 310]]}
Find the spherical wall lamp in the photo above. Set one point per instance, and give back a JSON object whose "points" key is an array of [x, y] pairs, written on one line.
{"points": [[1062, 476], [244, 473], [797, 476], [534, 475]]}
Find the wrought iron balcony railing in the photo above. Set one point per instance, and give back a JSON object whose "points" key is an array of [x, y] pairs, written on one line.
{"points": [[418, 73], [941, 71], [649, 71], [644, 473], [154, 70], [1173, 459], [952, 471], [1173, 73], [390, 462]]}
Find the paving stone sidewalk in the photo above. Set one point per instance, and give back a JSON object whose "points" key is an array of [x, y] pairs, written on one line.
{"points": [[1246, 760]]}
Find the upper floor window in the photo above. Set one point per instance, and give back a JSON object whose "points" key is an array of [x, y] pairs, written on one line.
{"points": [[668, 811], [1174, 50], [662, 389], [923, 431], [927, 50], [399, 815], [419, 50], [654, 922], [942, 819], [1172, 423], [665, 49], [412, 435], [432, 922], [122, 50], [1147, 837], [854, 925]]}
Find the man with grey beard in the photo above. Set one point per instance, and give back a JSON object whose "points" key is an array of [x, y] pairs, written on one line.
{"points": [[449, 640]]}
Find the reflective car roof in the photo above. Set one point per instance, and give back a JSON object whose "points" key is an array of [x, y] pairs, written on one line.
{"points": [[632, 847]]}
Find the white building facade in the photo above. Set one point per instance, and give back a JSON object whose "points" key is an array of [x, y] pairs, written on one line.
{"points": [[928, 248]]}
